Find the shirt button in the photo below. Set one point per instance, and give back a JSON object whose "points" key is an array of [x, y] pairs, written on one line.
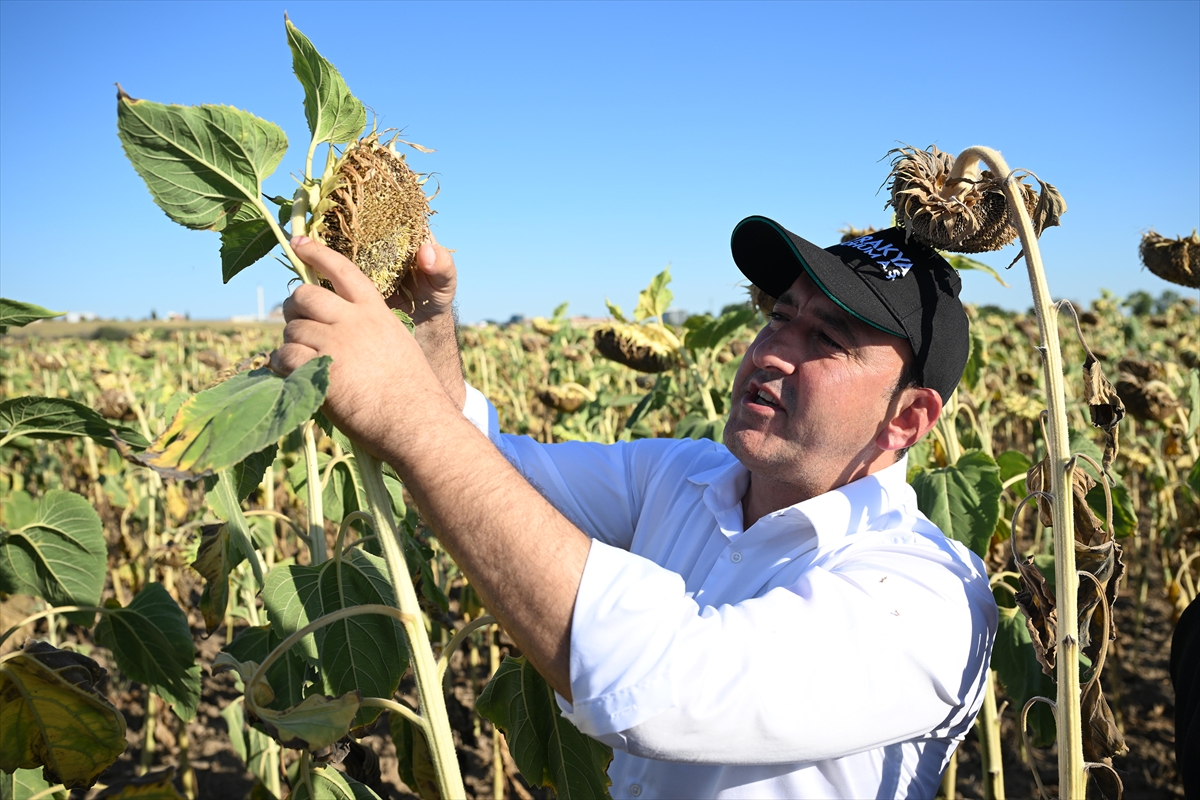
{"points": [[735, 557], [635, 790]]}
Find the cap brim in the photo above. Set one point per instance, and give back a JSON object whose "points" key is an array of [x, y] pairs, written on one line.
{"points": [[772, 257]]}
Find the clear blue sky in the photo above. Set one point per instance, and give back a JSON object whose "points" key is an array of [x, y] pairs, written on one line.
{"points": [[581, 147]]}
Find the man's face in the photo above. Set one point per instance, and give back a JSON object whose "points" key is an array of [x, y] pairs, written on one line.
{"points": [[813, 393]]}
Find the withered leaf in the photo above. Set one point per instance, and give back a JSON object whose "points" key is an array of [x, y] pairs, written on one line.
{"points": [[1038, 603], [1101, 738], [1088, 527], [1107, 409], [1103, 562], [1049, 209]]}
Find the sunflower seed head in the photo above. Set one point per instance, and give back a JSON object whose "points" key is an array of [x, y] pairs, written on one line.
{"points": [[376, 213], [1174, 260], [646, 348]]}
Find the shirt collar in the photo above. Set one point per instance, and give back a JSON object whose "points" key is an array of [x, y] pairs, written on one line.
{"points": [[835, 514]]}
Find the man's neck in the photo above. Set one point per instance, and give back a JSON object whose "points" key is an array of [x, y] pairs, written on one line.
{"points": [[765, 495]]}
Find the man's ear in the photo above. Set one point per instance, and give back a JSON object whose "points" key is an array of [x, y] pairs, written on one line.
{"points": [[915, 411]]}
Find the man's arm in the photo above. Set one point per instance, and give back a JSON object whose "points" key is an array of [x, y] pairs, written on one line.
{"points": [[427, 295], [525, 559]]}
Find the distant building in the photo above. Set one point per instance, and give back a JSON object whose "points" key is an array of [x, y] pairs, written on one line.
{"points": [[675, 316]]}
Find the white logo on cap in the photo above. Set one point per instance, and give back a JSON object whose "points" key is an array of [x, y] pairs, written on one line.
{"points": [[897, 264]]}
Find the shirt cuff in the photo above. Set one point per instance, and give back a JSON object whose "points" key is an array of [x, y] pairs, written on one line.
{"points": [[480, 413], [627, 612]]}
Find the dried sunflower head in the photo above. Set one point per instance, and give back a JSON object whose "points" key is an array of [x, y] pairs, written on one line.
{"points": [[1174, 260], [646, 348], [375, 213], [967, 215], [761, 300]]}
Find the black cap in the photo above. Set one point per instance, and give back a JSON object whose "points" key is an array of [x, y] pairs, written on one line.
{"points": [[904, 288]]}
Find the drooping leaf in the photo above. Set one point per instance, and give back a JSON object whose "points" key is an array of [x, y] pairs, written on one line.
{"points": [[334, 114], [152, 643], [24, 784], [316, 722], [246, 239], [655, 299], [247, 474], [216, 557], [1038, 605], [547, 748], [615, 310], [250, 744], [201, 163], [287, 677], [156, 785], [55, 718], [961, 263], [220, 427], [14, 313], [1088, 527], [366, 652], [1014, 660], [58, 555], [414, 762], [222, 499], [59, 418], [963, 499], [713, 334], [329, 784], [976, 361], [1106, 408]]}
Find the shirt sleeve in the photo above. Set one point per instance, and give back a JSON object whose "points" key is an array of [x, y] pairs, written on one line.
{"points": [[882, 648], [598, 487]]}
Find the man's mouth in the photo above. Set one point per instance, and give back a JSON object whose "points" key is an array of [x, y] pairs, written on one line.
{"points": [[761, 397]]}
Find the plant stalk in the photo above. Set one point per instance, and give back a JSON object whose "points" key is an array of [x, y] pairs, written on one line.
{"points": [[1071, 775], [989, 740], [425, 666], [312, 485]]}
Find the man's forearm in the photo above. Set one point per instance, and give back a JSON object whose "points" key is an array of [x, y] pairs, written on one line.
{"points": [[439, 342]]}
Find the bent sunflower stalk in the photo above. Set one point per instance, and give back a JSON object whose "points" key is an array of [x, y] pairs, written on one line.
{"points": [[936, 204]]}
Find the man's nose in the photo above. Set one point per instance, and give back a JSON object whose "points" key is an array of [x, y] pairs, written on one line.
{"points": [[771, 352]]}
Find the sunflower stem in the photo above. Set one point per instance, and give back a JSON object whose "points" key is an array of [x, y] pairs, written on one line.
{"points": [[1071, 775]]}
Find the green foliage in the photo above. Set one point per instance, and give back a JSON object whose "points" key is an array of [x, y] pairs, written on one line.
{"points": [[329, 784], [222, 499], [247, 238], [15, 314], [251, 745], [547, 748], [365, 652], [58, 554], [221, 426], [288, 677], [58, 418], [25, 784], [963, 263], [655, 299], [334, 115], [963, 499], [712, 334], [318, 721], [152, 643], [201, 163], [1014, 660]]}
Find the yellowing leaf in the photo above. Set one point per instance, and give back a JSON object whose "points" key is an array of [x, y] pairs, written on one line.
{"points": [[156, 785], [55, 718], [315, 723]]}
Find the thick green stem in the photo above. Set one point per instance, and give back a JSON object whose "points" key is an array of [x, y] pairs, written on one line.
{"points": [[312, 485], [425, 666], [1071, 775]]}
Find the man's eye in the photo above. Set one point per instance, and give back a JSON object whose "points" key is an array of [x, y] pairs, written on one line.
{"points": [[829, 342]]}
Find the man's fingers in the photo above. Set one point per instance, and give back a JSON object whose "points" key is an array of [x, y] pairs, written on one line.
{"points": [[346, 278], [290, 356], [312, 302], [436, 261]]}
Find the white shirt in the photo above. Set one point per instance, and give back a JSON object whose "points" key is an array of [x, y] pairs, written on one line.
{"points": [[836, 648]]}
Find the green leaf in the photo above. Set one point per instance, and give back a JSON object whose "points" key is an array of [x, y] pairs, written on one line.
{"points": [[654, 300], [366, 652], [247, 474], [54, 716], [560, 311], [216, 557], [1193, 479], [1015, 662], [152, 643], [16, 314], [246, 239], [1124, 517], [220, 427], [414, 762], [288, 676], [962, 499], [714, 333], [547, 748], [334, 115], [24, 784], [698, 426], [316, 722], [199, 162], [57, 418], [58, 555], [976, 361], [251, 745], [962, 263], [1013, 463], [339, 496], [18, 509], [615, 310], [330, 784]]}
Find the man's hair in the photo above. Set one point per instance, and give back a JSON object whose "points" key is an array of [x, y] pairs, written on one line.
{"points": [[907, 380]]}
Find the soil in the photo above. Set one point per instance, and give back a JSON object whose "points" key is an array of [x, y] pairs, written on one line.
{"points": [[1137, 684]]}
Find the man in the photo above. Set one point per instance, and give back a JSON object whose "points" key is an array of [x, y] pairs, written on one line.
{"points": [[772, 618]]}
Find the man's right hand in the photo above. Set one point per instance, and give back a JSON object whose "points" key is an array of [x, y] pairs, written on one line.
{"points": [[427, 295]]}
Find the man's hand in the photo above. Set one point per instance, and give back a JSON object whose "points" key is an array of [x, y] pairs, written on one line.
{"points": [[379, 375], [427, 295]]}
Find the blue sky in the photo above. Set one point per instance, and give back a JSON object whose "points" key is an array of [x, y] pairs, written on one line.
{"points": [[581, 147]]}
